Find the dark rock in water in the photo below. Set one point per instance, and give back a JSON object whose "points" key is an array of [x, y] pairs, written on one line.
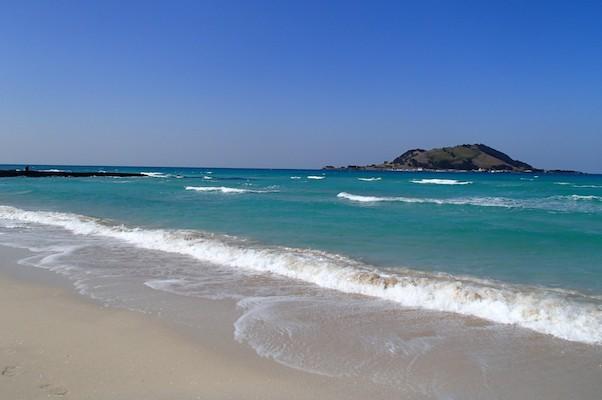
{"points": [[564, 171], [28, 172]]}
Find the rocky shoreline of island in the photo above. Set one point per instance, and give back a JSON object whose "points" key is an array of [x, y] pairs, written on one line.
{"points": [[461, 158]]}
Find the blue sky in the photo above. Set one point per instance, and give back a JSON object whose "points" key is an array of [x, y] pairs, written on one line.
{"points": [[298, 84]]}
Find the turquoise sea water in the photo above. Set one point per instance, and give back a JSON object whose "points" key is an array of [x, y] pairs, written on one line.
{"points": [[520, 228], [389, 277]]}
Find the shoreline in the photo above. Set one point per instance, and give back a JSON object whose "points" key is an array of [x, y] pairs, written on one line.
{"points": [[57, 344]]}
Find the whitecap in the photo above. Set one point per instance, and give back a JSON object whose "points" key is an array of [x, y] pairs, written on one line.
{"points": [[155, 174], [369, 179], [578, 197], [477, 201], [225, 189], [576, 203], [440, 182], [315, 177]]}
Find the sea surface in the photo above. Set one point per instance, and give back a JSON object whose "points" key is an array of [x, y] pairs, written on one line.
{"points": [[347, 273]]}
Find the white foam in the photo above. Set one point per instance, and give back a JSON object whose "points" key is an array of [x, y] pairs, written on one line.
{"points": [[567, 316], [295, 177], [155, 174], [315, 177], [366, 199], [578, 186], [440, 182], [208, 178], [578, 197], [369, 179], [164, 284], [225, 189], [572, 203], [54, 170], [476, 201]]}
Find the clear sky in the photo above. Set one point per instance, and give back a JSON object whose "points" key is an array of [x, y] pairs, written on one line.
{"points": [[298, 83]]}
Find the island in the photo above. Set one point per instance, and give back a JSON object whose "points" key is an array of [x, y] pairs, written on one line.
{"points": [[465, 157]]}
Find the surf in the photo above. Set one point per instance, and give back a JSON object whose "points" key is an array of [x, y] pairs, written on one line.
{"points": [[570, 316], [440, 182], [226, 190]]}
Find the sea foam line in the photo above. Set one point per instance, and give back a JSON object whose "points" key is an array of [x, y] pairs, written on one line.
{"points": [[155, 174], [477, 201], [571, 203], [578, 186], [578, 197], [574, 317], [440, 182], [225, 189]]}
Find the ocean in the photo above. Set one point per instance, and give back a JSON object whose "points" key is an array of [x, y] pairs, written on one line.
{"points": [[341, 272]]}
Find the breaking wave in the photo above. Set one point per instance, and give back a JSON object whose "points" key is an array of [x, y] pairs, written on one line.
{"points": [[369, 179], [476, 201], [315, 177], [225, 189], [155, 174], [578, 186], [578, 197], [567, 315], [440, 182], [554, 203]]}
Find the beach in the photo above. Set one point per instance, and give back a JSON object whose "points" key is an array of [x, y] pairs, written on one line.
{"points": [[285, 200], [238, 284], [56, 344]]}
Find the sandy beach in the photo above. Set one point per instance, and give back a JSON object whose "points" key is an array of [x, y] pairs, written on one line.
{"points": [[56, 344]]}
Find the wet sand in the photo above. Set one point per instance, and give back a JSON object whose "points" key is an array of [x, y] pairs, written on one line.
{"points": [[57, 344]]}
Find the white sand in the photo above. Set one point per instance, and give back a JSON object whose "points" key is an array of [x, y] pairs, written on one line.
{"points": [[55, 344]]}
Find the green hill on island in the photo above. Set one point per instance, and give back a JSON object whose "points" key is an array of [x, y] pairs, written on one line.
{"points": [[466, 157]]}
